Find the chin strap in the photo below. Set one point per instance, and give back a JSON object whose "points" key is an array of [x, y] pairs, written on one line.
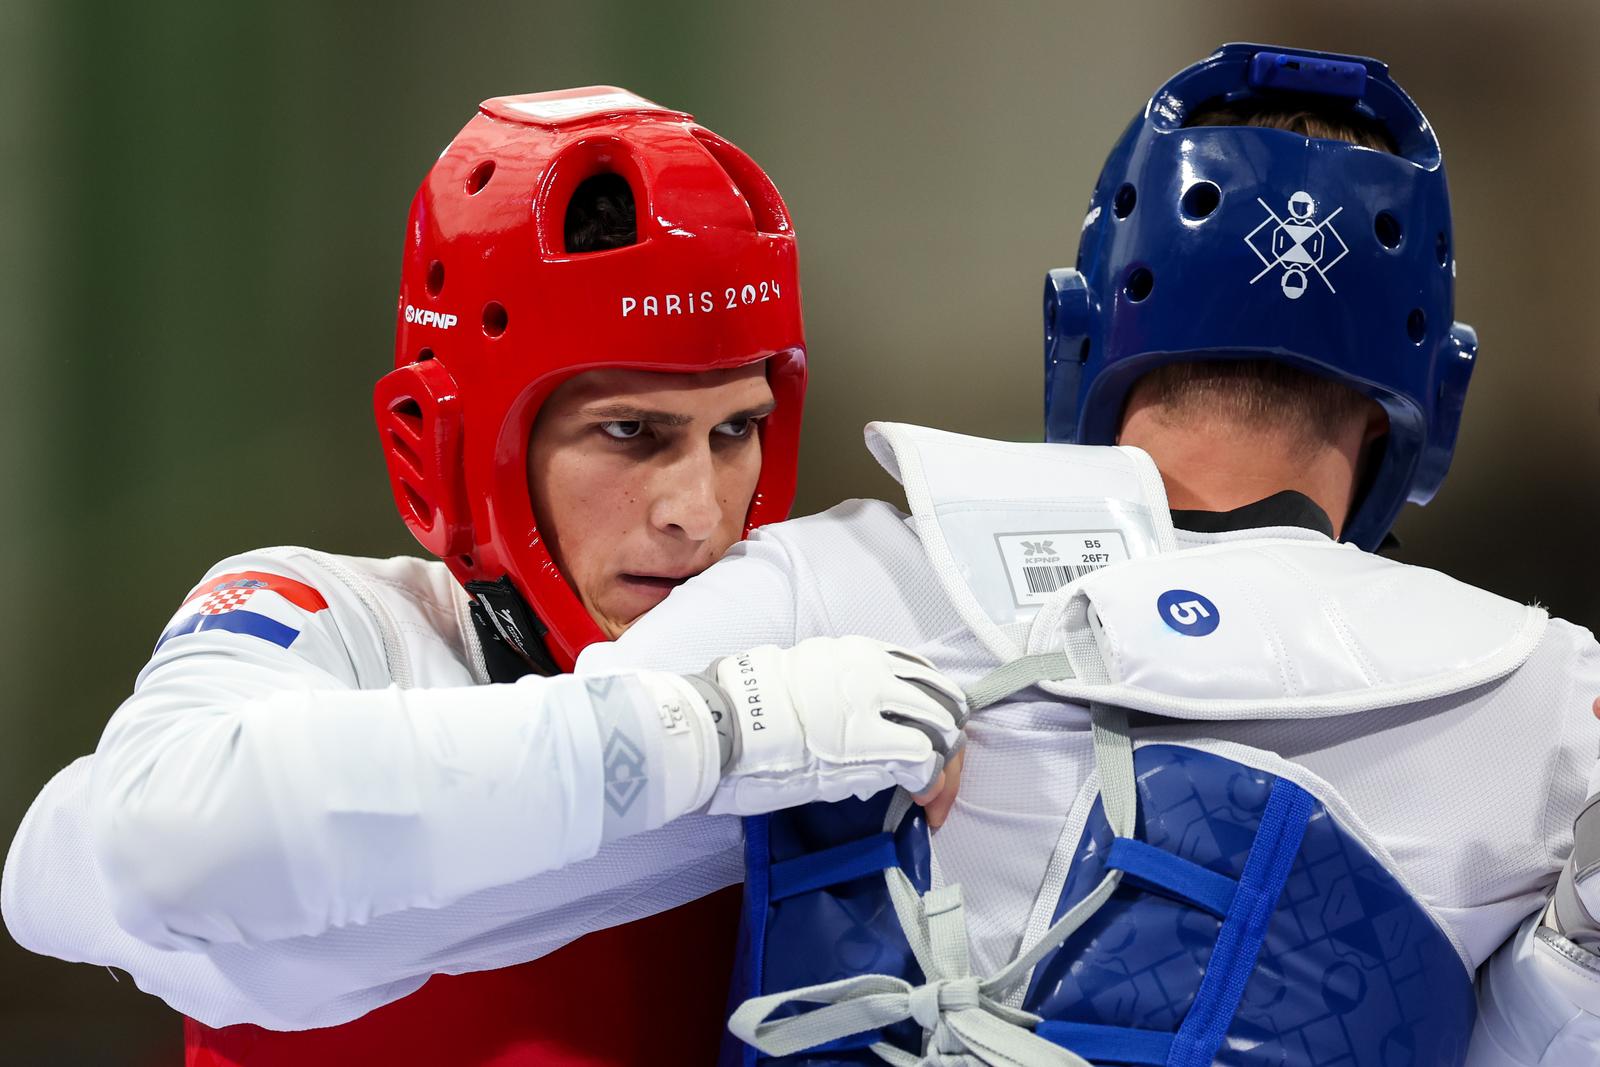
{"points": [[964, 1018], [511, 634]]}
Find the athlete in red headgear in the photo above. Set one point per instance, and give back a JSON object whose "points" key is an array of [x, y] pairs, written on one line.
{"points": [[597, 390], [496, 313]]}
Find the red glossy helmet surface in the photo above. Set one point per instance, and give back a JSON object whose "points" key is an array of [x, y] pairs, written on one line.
{"points": [[495, 313]]}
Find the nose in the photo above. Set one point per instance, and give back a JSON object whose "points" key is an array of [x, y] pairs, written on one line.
{"points": [[686, 502]]}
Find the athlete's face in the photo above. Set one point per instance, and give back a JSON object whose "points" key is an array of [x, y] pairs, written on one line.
{"points": [[641, 480]]}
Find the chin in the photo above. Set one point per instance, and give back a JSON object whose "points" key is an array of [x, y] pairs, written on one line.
{"points": [[615, 622]]}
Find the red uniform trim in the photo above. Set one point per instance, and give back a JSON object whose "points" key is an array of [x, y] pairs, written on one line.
{"points": [[649, 992], [299, 594]]}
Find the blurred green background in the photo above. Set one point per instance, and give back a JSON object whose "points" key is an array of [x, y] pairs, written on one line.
{"points": [[203, 208]]}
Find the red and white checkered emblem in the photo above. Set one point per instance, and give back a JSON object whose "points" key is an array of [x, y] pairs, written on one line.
{"points": [[226, 599]]}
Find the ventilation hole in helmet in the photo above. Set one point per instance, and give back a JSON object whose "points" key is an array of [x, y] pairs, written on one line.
{"points": [[403, 448], [1083, 351], [409, 412], [1416, 325], [600, 215], [1122, 203], [1139, 284], [425, 355], [435, 277], [766, 206], [1441, 248], [466, 561], [494, 318], [419, 507], [1387, 229], [1201, 199], [479, 177]]}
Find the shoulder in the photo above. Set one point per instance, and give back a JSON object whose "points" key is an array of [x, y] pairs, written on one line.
{"points": [[869, 527], [373, 622], [860, 568]]}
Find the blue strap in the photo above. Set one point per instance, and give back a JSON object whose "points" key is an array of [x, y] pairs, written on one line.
{"points": [[757, 856], [1109, 1044], [841, 863], [1159, 869], [1277, 843]]}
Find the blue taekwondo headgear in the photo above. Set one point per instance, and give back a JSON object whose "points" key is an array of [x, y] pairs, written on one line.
{"points": [[1228, 242]]}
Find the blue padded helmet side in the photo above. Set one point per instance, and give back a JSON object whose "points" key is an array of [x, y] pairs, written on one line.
{"points": [[1228, 242]]}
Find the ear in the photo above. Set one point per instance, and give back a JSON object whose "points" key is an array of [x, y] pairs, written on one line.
{"points": [[419, 421], [1377, 423]]}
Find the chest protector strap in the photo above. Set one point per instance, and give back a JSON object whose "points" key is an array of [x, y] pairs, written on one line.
{"points": [[964, 1018]]}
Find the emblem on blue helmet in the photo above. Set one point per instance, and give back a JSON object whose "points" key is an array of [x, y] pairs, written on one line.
{"points": [[1299, 243]]}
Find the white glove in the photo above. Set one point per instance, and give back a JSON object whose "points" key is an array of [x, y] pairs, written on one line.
{"points": [[829, 718], [1575, 903]]}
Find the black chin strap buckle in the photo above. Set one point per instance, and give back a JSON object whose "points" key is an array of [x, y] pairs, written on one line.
{"points": [[513, 634]]}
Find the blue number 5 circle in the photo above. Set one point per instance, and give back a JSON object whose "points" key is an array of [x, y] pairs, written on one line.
{"points": [[1188, 612]]}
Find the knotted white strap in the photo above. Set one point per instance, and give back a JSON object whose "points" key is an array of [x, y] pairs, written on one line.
{"points": [[965, 1027], [966, 1023]]}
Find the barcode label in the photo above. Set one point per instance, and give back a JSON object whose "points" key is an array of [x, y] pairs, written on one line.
{"points": [[1049, 579], [1038, 564]]}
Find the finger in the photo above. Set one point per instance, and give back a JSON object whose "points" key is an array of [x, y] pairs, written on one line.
{"points": [[929, 680], [1597, 707], [931, 794], [933, 703], [909, 657], [938, 737], [938, 807], [952, 701]]}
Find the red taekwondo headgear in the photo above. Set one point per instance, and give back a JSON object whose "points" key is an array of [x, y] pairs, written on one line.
{"points": [[495, 313]]}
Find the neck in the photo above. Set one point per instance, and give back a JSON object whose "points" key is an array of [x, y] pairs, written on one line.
{"points": [[1219, 466]]}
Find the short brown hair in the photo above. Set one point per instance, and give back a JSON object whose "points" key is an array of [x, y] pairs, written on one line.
{"points": [[1351, 126], [1308, 409], [1264, 394]]}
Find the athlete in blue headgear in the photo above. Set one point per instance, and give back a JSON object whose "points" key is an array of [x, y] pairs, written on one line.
{"points": [[1282, 216], [1235, 792]]}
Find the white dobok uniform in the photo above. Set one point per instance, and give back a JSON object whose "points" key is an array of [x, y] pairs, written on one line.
{"points": [[374, 813]]}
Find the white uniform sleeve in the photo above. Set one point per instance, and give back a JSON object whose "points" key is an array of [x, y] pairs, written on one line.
{"points": [[55, 902], [290, 964], [745, 599], [1538, 1003], [247, 791], [1539, 993]]}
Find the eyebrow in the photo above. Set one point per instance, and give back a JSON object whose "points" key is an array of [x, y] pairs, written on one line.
{"points": [[629, 413]]}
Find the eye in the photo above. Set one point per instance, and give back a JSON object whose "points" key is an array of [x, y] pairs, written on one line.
{"points": [[742, 428], [622, 429]]}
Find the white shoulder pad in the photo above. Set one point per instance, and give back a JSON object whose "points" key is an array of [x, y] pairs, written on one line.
{"points": [[1281, 629], [1005, 524]]}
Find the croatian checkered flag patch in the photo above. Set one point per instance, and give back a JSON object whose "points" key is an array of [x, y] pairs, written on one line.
{"points": [[252, 603]]}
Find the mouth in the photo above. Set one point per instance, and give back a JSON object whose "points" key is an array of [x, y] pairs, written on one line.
{"points": [[664, 583]]}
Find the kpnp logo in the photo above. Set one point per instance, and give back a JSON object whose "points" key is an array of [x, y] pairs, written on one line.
{"points": [[1038, 548], [423, 317], [1299, 244]]}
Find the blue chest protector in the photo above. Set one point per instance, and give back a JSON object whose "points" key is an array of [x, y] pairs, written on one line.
{"points": [[1249, 929]]}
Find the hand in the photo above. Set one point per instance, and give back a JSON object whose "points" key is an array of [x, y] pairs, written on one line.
{"points": [[831, 718], [940, 797]]}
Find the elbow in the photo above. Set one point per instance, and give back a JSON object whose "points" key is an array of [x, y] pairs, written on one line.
{"points": [[161, 873], [188, 860]]}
